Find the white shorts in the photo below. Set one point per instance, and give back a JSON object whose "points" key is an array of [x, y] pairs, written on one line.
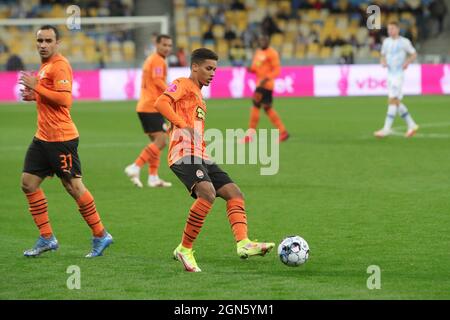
{"points": [[395, 86]]}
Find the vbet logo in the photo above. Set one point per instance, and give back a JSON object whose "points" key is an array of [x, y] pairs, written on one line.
{"points": [[369, 80], [371, 83], [361, 80], [283, 85]]}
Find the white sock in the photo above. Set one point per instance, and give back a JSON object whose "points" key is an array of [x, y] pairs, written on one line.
{"points": [[403, 111], [153, 178], [390, 116]]}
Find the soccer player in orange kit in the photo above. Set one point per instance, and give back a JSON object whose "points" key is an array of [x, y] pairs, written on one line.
{"points": [[266, 66], [153, 84], [183, 105], [54, 146]]}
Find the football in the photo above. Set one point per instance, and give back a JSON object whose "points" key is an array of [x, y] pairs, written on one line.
{"points": [[293, 251]]}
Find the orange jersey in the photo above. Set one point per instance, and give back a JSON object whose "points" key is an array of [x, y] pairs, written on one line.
{"points": [[188, 104], [266, 64], [54, 120], [153, 83]]}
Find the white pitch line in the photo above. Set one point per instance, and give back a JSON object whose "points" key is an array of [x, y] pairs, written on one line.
{"points": [[429, 125], [396, 132], [423, 135]]}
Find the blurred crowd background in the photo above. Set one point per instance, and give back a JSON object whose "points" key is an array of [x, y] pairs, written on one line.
{"points": [[303, 31]]}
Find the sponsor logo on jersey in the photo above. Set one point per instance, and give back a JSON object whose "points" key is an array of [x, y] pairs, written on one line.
{"points": [[172, 88], [201, 114]]}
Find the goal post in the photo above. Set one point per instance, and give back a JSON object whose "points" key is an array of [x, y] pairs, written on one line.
{"points": [[88, 42]]}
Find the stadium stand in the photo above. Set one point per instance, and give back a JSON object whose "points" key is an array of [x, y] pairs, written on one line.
{"points": [[303, 31], [97, 45], [300, 30]]}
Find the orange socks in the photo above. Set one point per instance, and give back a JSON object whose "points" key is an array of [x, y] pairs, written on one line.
{"points": [[153, 161], [86, 206], [237, 218], [151, 155], [199, 210], [254, 118], [38, 209], [275, 119], [194, 223]]}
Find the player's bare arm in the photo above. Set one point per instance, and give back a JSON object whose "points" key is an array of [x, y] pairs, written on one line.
{"points": [[383, 61], [164, 106], [409, 60], [31, 84]]}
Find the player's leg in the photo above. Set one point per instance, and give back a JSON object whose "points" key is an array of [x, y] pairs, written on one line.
{"points": [[412, 126], [154, 126], [159, 139], [86, 205], [133, 170], [237, 217], [36, 168], [235, 207], [393, 104], [254, 116], [195, 177], [266, 103], [66, 164], [274, 117]]}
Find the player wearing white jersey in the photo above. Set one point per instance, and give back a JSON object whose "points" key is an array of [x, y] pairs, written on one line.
{"points": [[397, 53]]}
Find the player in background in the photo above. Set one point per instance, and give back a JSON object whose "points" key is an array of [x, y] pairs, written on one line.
{"points": [[154, 77], [397, 53], [183, 105], [266, 67], [54, 146]]}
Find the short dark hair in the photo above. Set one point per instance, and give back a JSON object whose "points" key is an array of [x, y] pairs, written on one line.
{"points": [[50, 27], [162, 36], [201, 54]]}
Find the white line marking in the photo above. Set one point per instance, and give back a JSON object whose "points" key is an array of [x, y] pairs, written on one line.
{"points": [[396, 131]]}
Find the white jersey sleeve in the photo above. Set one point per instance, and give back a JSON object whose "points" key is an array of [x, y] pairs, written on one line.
{"points": [[384, 47], [407, 46]]}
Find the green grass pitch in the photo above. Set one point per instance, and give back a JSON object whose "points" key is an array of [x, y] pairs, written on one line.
{"points": [[358, 201]]}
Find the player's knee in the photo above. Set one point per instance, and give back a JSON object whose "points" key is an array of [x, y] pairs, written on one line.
{"points": [[239, 194], [161, 142], [159, 139], [206, 191], [68, 186], [236, 193], [28, 187], [267, 107], [256, 103], [73, 187], [209, 196], [394, 101]]}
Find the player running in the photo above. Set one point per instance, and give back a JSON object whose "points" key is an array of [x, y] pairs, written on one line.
{"points": [[266, 66], [54, 146], [397, 53], [182, 104], [153, 85]]}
